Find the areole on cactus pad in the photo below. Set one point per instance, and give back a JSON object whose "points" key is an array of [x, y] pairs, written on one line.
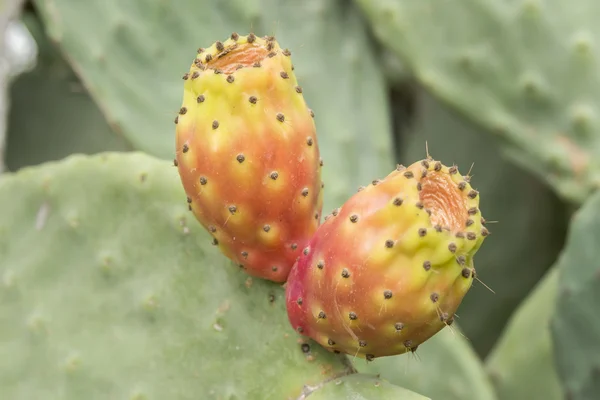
{"points": [[389, 268], [247, 154]]}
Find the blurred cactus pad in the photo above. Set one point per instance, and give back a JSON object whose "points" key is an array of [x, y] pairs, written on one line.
{"points": [[527, 70], [110, 288], [92, 307]]}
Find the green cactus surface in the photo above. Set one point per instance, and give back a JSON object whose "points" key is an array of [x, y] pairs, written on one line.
{"points": [[525, 69], [444, 367], [525, 369], [575, 325], [514, 198], [131, 56], [110, 289], [51, 115], [361, 387]]}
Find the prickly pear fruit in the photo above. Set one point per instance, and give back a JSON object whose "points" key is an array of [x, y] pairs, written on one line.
{"points": [[247, 154], [388, 269]]}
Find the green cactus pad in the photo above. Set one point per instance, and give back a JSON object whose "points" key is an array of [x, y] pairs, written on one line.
{"points": [[576, 322], [525, 369], [363, 387], [110, 289], [525, 69], [131, 56], [514, 198], [51, 115], [444, 367]]}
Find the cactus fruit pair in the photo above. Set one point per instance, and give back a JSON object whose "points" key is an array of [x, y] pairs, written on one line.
{"points": [[247, 154], [389, 268], [385, 271]]}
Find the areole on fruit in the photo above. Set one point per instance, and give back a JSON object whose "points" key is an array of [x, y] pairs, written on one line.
{"points": [[389, 268]]}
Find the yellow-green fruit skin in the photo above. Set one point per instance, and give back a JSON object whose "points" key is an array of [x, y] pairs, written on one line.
{"points": [[389, 268], [248, 156]]}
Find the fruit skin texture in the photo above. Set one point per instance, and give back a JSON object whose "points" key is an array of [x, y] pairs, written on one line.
{"points": [[248, 156], [381, 276]]}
